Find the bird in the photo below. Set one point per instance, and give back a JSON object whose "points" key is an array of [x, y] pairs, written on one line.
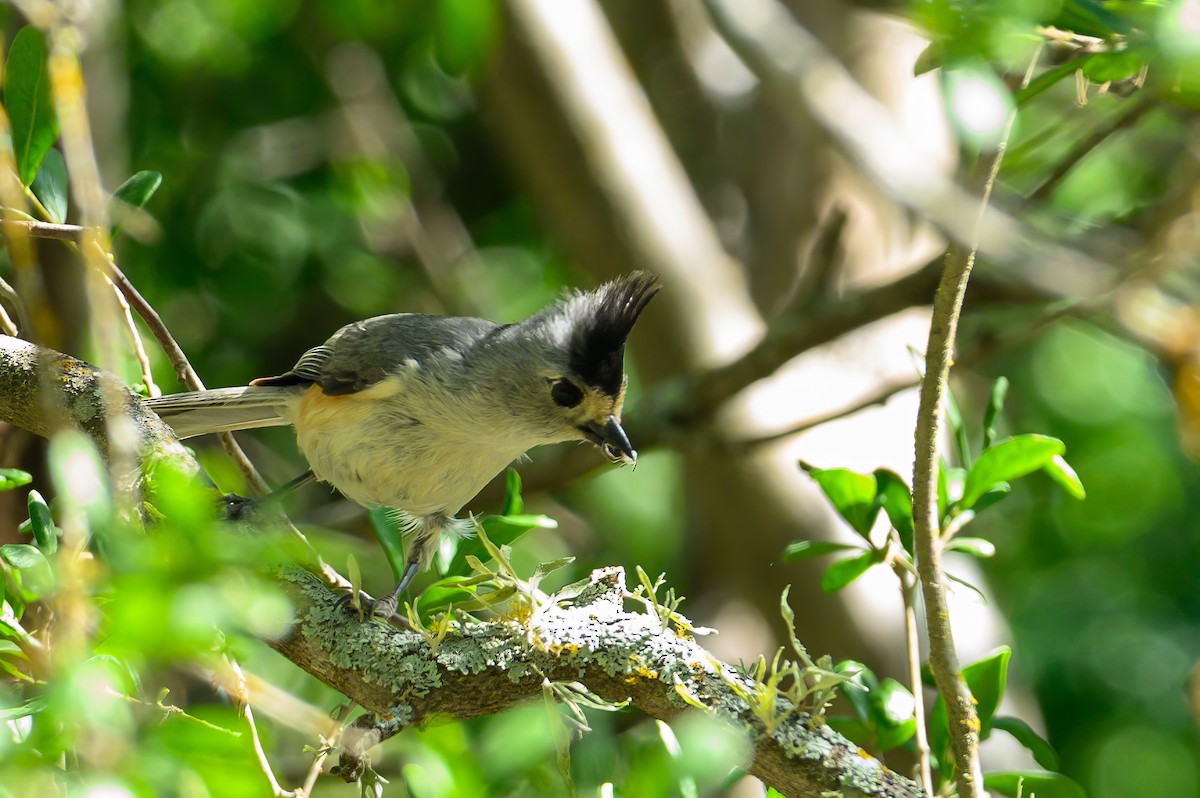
{"points": [[418, 412]]}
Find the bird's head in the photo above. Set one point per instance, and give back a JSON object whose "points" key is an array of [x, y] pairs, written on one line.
{"points": [[578, 347]]}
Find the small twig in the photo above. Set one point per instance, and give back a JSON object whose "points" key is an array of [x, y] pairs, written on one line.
{"points": [[58, 232], [139, 349], [977, 354], [912, 646], [329, 745], [248, 712], [1118, 123], [183, 368], [132, 298], [927, 540]]}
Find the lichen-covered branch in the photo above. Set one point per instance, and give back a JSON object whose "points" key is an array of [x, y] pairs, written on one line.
{"points": [[481, 668], [591, 639]]}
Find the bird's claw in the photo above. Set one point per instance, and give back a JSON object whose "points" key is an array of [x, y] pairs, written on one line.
{"points": [[368, 608]]}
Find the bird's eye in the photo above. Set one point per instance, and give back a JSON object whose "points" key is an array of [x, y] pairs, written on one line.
{"points": [[566, 393]]}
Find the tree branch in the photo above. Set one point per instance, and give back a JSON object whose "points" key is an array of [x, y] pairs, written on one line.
{"points": [[480, 668], [483, 668]]}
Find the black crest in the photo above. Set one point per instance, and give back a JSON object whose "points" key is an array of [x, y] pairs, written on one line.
{"points": [[597, 346]]}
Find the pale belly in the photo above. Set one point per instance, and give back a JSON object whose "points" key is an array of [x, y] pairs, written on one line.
{"points": [[390, 459]]}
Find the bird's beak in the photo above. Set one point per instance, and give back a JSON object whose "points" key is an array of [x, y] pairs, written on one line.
{"points": [[611, 439]]}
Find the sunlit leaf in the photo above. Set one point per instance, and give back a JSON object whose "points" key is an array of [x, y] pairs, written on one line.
{"points": [[958, 429], [807, 549], [513, 503], [36, 574], [135, 192], [851, 494], [976, 547], [1006, 461], [27, 100], [892, 708], [1061, 472], [41, 523], [13, 478], [987, 678], [992, 412], [843, 572], [896, 500], [50, 186]]}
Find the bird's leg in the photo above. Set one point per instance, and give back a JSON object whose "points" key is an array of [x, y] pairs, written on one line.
{"points": [[386, 606], [239, 508]]}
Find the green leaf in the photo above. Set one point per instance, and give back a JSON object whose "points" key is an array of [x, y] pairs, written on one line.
{"points": [[851, 494], [807, 549], [859, 684], [31, 707], [27, 100], [1043, 753], [36, 574], [993, 495], [1006, 461], [1061, 472], [50, 186], [502, 530], [1031, 783], [976, 547], [1047, 79], [386, 524], [1111, 66], [943, 489], [135, 192], [513, 503], [958, 430], [892, 708], [41, 523], [13, 478], [843, 572], [986, 678], [992, 413], [22, 556], [930, 58], [894, 496]]}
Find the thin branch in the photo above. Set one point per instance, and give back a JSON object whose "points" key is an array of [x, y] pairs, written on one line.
{"points": [[58, 232], [977, 353], [927, 541], [248, 712], [183, 368]]}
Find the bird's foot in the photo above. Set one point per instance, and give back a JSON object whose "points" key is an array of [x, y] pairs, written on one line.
{"points": [[368, 608]]}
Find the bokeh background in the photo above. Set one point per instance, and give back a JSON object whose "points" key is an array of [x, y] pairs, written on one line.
{"points": [[328, 161]]}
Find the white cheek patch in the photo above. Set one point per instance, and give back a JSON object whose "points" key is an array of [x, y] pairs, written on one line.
{"points": [[450, 354], [411, 364]]}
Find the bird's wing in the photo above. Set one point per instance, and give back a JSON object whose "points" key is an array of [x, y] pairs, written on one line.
{"points": [[363, 353]]}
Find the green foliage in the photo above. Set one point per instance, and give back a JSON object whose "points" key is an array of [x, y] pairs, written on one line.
{"points": [[132, 195], [883, 717], [1022, 783], [50, 186], [28, 102]]}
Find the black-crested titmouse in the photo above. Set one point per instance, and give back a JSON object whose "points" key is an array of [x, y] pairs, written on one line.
{"points": [[418, 412]]}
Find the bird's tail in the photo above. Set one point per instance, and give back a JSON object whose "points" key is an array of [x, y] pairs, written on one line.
{"points": [[223, 409]]}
